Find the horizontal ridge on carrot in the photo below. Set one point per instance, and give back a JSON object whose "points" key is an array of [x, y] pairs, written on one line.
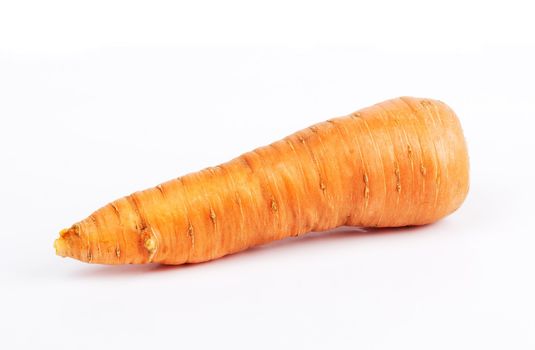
{"points": [[398, 163]]}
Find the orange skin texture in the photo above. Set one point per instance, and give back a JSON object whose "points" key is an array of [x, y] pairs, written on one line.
{"points": [[398, 163]]}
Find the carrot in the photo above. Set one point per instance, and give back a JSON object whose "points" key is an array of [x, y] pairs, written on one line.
{"points": [[401, 162]]}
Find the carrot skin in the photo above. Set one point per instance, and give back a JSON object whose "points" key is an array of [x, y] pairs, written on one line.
{"points": [[397, 163]]}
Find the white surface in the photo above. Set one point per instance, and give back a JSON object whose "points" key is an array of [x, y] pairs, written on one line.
{"points": [[97, 101]]}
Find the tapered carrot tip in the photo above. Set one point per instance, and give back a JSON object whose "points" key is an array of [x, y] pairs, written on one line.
{"points": [[397, 163], [60, 245], [66, 244]]}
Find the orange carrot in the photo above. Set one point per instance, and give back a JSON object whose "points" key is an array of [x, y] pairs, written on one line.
{"points": [[401, 162]]}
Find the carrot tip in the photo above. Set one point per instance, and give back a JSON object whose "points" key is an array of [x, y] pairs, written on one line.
{"points": [[60, 246]]}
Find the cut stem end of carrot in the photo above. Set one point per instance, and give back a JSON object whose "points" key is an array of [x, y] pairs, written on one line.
{"points": [[68, 243], [60, 246]]}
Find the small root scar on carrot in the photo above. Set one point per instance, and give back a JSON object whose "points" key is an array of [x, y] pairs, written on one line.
{"points": [[366, 188], [398, 180], [190, 230], [150, 244], [191, 235], [423, 171], [274, 205]]}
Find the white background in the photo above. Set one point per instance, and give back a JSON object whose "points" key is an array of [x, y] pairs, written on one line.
{"points": [[102, 98]]}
